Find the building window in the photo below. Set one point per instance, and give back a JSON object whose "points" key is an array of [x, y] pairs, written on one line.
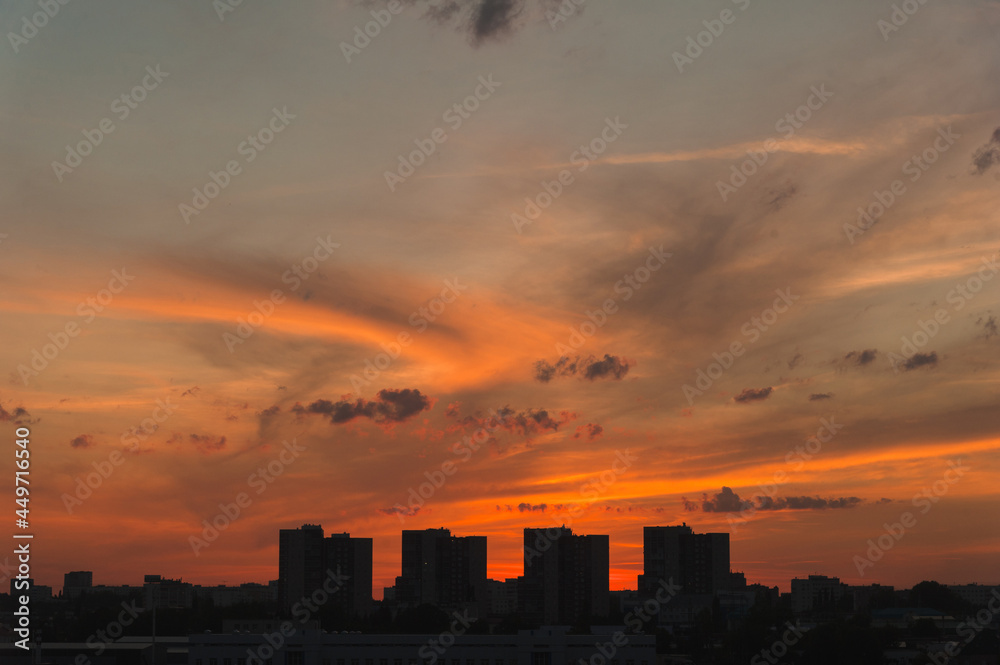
{"points": [[213, 661], [227, 661], [295, 658]]}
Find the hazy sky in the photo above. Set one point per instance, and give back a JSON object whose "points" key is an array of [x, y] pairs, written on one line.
{"points": [[646, 110]]}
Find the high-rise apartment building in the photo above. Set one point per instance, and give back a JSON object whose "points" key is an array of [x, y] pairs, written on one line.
{"points": [[443, 570], [339, 564], [565, 576]]}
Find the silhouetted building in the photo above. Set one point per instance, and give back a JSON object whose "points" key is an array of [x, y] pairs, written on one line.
{"points": [[546, 646], [979, 595], [339, 564], [503, 597], [565, 577], [817, 592], [352, 557], [300, 563], [248, 593], [698, 562], [870, 596], [443, 570], [77, 582], [166, 594]]}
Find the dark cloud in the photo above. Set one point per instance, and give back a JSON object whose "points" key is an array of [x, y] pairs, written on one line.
{"points": [[779, 196], [806, 503], [207, 443], [82, 441], [191, 391], [987, 155], [728, 501], [862, 357], [524, 422], [399, 510], [815, 397], [611, 367], [18, 416], [753, 395], [590, 368], [481, 19], [391, 406], [989, 326], [529, 507], [795, 360], [921, 360], [545, 371], [590, 430], [484, 20]]}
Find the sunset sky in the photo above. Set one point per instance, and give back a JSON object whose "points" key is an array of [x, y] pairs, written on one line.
{"points": [[652, 234]]}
